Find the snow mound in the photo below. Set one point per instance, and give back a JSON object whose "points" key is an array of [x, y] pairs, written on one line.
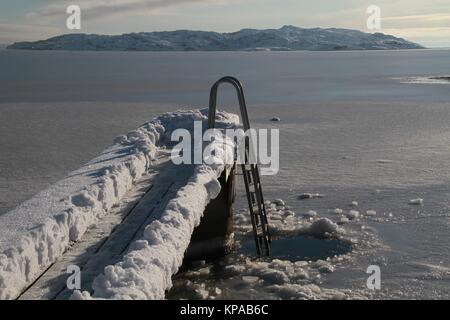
{"points": [[324, 228]]}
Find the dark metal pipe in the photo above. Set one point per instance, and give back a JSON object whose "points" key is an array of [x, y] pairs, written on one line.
{"points": [[213, 101]]}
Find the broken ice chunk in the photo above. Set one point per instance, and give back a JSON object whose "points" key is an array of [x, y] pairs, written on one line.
{"points": [[416, 202], [310, 214], [278, 202], [371, 213], [353, 214], [304, 196]]}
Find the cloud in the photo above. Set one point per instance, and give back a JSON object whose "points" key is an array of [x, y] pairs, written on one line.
{"points": [[438, 33], [93, 9], [428, 36], [422, 17], [11, 32], [434, 25]]}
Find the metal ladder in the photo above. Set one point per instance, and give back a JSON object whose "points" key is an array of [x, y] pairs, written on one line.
{"points": [[250, 171]]}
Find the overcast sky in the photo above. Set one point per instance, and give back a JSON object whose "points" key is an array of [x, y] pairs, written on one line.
{"points": [[424, 21]]}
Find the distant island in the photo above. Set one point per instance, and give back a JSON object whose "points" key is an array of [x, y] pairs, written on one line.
{"points": [[287, 38]]}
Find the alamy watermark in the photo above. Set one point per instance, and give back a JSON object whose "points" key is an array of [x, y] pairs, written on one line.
{"points": [[226, 147], [73, 22], [73, 282], [374, 280], [374, 20]]}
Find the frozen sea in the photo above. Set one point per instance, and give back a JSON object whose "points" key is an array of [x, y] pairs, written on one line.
{"points": [[355, 126]]}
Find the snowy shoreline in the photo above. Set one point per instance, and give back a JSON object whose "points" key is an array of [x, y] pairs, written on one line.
{"points": [[41, 229]]}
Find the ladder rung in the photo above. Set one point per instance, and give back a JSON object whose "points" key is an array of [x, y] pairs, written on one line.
{"points": [[256, 187]]}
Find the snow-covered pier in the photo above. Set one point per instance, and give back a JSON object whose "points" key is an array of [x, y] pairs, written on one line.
{"points": [[125, 219]]}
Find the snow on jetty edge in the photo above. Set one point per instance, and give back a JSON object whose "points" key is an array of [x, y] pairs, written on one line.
{"points": [[145, 273], [41, 229]]}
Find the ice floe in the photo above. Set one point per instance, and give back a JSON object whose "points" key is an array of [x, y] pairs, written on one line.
{"points": [[424, 80]]}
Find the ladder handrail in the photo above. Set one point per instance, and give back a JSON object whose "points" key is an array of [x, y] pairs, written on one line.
{"points": [[213, 101], [251, 175]]}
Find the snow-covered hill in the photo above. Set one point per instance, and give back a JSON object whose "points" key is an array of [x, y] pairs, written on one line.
{"points": [[284, 39]]}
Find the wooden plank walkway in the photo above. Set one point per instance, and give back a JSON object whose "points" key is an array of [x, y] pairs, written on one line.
{"points": [[109, 240]]}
